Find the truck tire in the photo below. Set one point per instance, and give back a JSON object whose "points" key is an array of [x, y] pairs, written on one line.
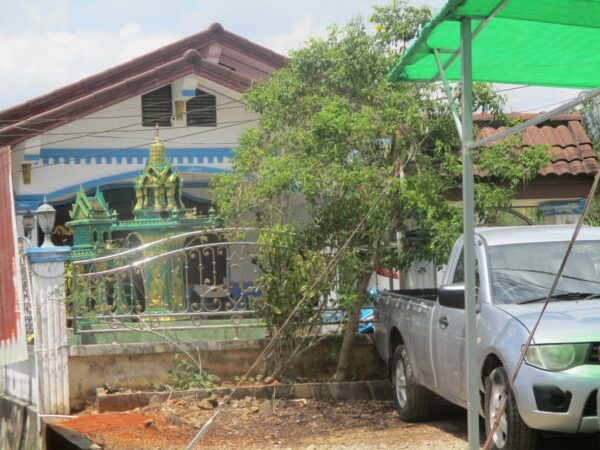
{"points": [[411, 399], [512, 433]]}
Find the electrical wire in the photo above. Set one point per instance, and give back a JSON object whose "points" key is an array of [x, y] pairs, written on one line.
{"points": [[121, 127], [512, 89], [69, 133], [145, 144], [7, 122]]}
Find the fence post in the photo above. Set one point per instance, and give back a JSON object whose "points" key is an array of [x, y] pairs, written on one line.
{"points": [[50, 329]]}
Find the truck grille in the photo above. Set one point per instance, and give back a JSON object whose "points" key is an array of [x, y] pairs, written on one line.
{"points": [[590, 408], [593, 357]]}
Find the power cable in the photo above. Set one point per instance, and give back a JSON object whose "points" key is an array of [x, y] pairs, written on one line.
{"points": [[512, 89], [7, 122], [145, 144], [68, 133], [112, 129]]}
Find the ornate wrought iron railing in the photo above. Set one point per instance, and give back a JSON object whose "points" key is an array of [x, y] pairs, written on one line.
{"points": [[196, 280]]}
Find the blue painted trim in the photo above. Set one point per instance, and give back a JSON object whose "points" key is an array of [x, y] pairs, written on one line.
{"points": [[32, 201], [188, 92], [29, 202], [200, 169], [560, 207], [48, 254], [131, 156]]}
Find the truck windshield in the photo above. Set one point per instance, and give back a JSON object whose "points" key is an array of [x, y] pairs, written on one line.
{"points": [[523, 273]]}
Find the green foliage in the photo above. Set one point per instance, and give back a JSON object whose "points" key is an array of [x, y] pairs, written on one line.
{"points": [[340, 152], [189, 376], [286, 273], [398, 23], [591, 120]]}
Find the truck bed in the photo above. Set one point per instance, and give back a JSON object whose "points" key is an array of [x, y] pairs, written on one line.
{"points": [[425, 294]]}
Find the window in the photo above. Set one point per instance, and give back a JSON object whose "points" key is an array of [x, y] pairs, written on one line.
{"points": [[202, 110], [157, 107], [459, 271]]}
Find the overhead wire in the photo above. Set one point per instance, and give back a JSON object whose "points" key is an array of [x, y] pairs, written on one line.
{"points": [[110, 130], [145, 144], [7, 122], [67, 133]]}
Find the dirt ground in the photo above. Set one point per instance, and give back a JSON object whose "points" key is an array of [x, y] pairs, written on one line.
{"points": [[285, 424]]}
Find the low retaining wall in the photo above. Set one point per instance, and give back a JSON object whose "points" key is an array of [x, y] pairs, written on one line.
{"points": [[138, 366], [350, 390], [18, 425]]}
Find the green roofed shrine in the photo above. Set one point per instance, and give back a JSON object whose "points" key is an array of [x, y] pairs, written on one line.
{"points": [[159, 213]]}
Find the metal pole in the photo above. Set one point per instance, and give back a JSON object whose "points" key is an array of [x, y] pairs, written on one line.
{"points": [[448, 91], [582, 98], [469, 234]]}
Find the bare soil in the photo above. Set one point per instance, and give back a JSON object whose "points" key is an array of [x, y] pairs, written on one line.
{"points": [[284, 424]]}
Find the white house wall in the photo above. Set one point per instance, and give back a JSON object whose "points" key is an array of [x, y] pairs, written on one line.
{"points": [[84, 152]]}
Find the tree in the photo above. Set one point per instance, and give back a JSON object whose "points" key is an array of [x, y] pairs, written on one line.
{"points": [[367, 158], [590, 114]]}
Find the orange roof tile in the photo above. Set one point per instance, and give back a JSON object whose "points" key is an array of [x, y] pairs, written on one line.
{"points": [[570, 146]]}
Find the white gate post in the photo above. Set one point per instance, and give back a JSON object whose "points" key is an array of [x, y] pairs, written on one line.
{"points": [[50, 327]]}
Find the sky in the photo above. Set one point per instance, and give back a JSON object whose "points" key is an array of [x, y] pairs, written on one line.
{"points": [[47, 44]]}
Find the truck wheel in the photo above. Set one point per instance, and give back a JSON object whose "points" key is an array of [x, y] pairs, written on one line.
{"points": [[512, 433], [411, 399]]}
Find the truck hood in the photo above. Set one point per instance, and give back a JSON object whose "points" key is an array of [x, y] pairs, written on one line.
{"points": [[563, 321]]}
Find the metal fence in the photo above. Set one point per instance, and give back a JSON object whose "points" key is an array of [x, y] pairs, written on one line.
{"points": [[198, 280]]}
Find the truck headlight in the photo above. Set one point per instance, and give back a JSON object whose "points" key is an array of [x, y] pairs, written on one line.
{"points": [[557, 357]]}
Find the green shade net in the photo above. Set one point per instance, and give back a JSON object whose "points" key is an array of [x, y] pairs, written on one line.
{"points": [[534, 42]]}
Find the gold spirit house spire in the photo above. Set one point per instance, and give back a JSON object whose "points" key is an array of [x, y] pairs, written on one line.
{"points": [[157, 149], [158, 189]]}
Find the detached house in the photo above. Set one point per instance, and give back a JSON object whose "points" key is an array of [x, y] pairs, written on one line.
{"points": [[558, 191], [96, 132]]}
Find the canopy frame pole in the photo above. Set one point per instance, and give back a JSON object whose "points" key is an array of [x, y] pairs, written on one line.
{"points": [[448, 92], [481, 26], [473, 396], [584, 97]]}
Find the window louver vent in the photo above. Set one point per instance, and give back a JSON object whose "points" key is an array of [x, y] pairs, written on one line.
{"points": [[201, 111], [157, 107]]}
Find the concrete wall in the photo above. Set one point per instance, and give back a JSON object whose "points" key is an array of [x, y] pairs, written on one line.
{"points": [[17, 425], [137, 366], [19, 380]]}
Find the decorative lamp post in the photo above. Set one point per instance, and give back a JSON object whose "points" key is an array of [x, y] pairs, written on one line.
{"points": [[28, 223], [46, 215]]}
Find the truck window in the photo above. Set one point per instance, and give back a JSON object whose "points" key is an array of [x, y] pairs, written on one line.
{"points": [[459, 271]]}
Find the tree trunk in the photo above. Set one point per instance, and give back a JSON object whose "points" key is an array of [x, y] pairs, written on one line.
{"points": [[343, 365]]}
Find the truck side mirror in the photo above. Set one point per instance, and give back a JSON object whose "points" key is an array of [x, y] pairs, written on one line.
{"points": [[452, 295]]}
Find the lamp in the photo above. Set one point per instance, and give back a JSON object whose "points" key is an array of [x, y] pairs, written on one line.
{"points": [[46, 215], [28, 223]]}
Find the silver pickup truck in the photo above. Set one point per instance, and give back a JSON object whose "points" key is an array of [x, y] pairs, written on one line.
{"points": [[421, 334]]}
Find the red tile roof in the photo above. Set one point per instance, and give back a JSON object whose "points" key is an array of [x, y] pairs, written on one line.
{"points": [[215, 54], [570, 146]]}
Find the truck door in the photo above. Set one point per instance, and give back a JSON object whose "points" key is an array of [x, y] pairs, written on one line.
{"points": [[450, 351]]}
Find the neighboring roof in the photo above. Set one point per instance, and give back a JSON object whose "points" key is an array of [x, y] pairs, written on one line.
{"points": [[570, 146], [543, 43], [215, 54]]}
